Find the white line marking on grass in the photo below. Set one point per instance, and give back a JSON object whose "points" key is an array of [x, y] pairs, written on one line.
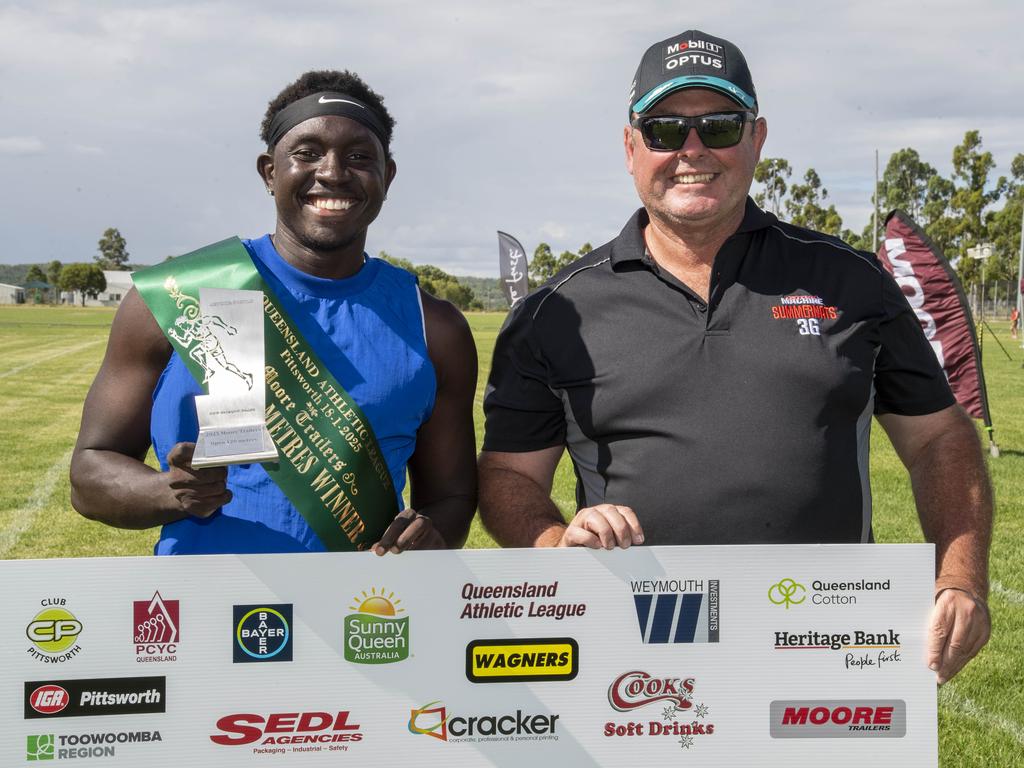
{"points": [[1011, 595], [949, 696], [23, 518], [55, 355]]}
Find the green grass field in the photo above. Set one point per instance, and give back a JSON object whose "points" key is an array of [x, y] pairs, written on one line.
{"points": [[48, 356]]}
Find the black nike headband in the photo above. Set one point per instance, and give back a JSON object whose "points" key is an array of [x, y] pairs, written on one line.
{"points": [[326, 104]]}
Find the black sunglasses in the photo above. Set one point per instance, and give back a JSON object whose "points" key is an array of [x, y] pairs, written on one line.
{"points": [[667, 133]]}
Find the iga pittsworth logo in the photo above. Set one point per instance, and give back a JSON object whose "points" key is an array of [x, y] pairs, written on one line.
{"points": [[522, 660], [284, 732], [374, 632], [433, 720], [680, 715], [861, 650], [262, 633], [838, 719], [155, 625], [67, 746], [677, 610], [790, 593], [54, 632], [95, 696]]}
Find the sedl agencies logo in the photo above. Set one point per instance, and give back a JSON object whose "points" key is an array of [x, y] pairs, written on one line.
{"points": [[54, 632], [677, 610], [155, 625], [284, 732], [374, 632], [262, 633]]}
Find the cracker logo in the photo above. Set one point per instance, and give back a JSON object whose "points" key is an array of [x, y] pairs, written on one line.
{"points": [[522, 660], [374, 632]]}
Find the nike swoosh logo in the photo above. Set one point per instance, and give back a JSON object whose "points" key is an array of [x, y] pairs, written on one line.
{"points": [[323, 100]]}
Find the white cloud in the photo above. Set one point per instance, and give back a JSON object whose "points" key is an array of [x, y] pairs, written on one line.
{"points": [[21, 145]]}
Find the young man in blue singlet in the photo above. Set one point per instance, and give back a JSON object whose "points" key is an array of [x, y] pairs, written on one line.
{"points": [[406, 358]]}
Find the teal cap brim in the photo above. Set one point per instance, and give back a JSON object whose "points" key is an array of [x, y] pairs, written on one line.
{"points": [[724, 87]]}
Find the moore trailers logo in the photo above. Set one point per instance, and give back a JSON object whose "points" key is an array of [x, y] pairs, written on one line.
{"points": [[677, 610], [375, 633], [838, 719]]}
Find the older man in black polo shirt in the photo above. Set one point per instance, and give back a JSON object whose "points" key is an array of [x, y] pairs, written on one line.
{"points": [[713, 371]]}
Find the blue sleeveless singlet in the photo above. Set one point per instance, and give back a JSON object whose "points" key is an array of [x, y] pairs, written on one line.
{"points": [[368, 330]]}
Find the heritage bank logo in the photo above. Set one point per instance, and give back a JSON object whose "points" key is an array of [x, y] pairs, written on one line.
{"points": [[262, 633], [54, 632], [374, 633], [677, 610], [155, 622], [789, 593]]}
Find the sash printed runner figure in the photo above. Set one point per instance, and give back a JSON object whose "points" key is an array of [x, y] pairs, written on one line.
{"points": [[367, 376]]}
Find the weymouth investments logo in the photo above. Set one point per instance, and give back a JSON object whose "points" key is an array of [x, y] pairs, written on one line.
{"points": [[155, 625], [262, 633], [374, 632], [677, 610]]}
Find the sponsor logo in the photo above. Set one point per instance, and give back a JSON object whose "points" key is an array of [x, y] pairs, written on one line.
{"points": [[262, 633], [788, 592], [94, 696], [155, 624], [46, 746], [286, 732], [433, 720], [54, 632], [903, 272], [693, 52], [677, 610], [522, 660], [864, 650], [807, 311], [516, 601], [374, 633], [680, 715], [838, 719]]}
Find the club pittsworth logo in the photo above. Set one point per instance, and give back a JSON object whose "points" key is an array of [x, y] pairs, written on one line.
{"points": [[284, 732], [95, 696], [374, 632], [54, 632], [155, 629], [46, 746], [680, 715], [522, 660], [677, 610], [517, 601], [861, 650], [790, 593], [433, 720], [262, 633], [838, 719]]}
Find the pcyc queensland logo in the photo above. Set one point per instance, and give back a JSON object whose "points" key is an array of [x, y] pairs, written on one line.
{"points": [[787, 592], [155, 625], [262, 633], [374, 632], [54, 632]]}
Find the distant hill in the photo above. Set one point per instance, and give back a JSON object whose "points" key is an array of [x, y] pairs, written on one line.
{"points": [[486, 290], [15, 274]]}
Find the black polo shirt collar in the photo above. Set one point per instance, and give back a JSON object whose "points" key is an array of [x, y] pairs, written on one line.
{"points": [[630, 245]]}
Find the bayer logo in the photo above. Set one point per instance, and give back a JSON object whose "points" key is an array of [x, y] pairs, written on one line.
{"points": [[262, 633]]}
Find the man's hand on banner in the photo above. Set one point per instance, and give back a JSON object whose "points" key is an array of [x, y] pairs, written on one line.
{"points": [[605, 526], [409, 530], [960, 627], [198, 492]]}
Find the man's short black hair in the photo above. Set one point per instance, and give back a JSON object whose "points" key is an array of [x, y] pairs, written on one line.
{"points": [[319, 80]]}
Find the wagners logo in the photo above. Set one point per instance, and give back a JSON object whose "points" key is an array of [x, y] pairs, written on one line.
{"points": [[262, 633], [522, 660], [676, 610], [155, 628], [54, 632], [374, 633], [95, 696], [837, 719], [286, 728], [433, 720]]}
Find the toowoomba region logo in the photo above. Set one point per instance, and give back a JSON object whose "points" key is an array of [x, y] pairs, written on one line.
{"points": [[374, 632]]}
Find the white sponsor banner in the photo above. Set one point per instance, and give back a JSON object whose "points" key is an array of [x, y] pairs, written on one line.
{"points": [[710, 656]]}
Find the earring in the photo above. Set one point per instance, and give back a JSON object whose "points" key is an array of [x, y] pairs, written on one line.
{"points": [[270, 191]]}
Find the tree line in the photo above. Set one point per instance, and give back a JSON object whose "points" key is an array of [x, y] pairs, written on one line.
{"points": [[85, 279], [961, 211]]}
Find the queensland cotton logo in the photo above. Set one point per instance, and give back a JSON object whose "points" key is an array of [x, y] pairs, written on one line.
{"points": [[374, 634]]}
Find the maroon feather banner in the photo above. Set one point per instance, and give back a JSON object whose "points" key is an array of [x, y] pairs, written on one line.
{"points": [[937, 297]]}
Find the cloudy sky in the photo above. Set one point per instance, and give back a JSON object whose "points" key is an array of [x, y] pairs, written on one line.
{"points": [[145, 115]]}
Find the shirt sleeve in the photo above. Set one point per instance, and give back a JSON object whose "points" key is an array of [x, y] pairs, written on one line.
{"points": [[521, 411], [908, 378]]}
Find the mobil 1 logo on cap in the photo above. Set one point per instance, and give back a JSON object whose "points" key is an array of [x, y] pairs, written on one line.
{"points": [[700, 53]]}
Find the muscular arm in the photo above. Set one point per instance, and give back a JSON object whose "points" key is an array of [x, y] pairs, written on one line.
{"points": [[109, 480], [442, 469], [954, 503]]}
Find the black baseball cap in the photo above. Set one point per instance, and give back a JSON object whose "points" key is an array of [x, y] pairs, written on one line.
{"points": [[691, 59]]}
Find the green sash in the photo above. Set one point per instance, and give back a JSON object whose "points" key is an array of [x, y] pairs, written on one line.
{"points": [[331, 468]]}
